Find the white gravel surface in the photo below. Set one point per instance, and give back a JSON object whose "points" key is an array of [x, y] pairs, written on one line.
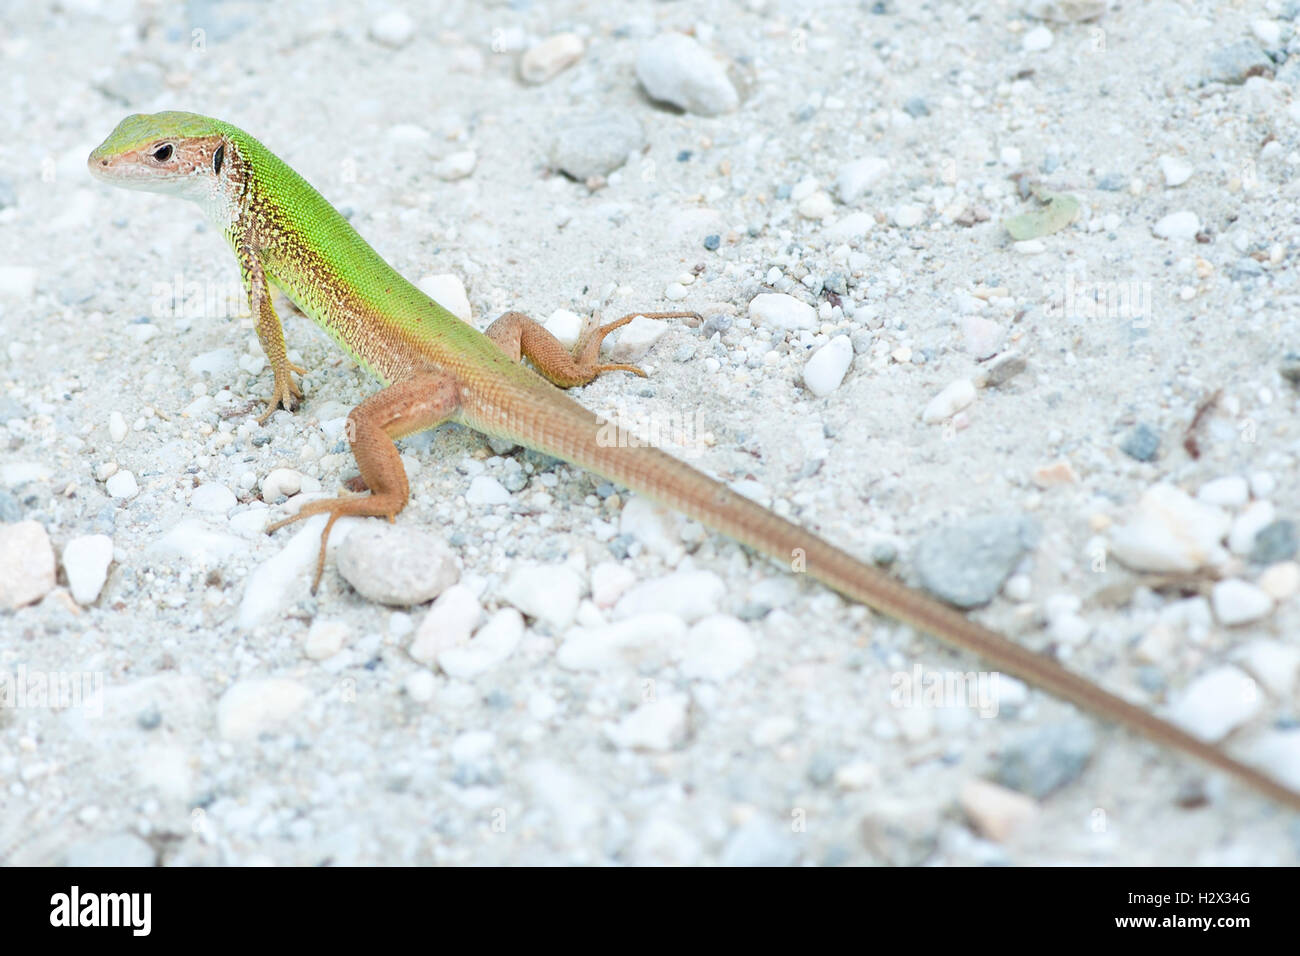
{"points": [[600, 682]]}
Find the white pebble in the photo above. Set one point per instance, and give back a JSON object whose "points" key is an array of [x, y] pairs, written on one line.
{"points": [[609, 580], [1280, 581], [718, 647], [1230, 491], [17, 282], [85, 561], [1037, 39], [393, 29], [421, 686], [1239, 602], [853, 179], [449, 623], [949, 402], [657, 725], [1268, 32], [1176, 171], [907, 215], [122, 485], [676, 69], [26, 564], [565, 326], [1178, 225], [455, 166], [998, 813], [1170, 531], [325, 638], [689, 595], [635, 339], [826, 368], [1273, 664], [486, 490], [280, 482], [545, 60], [490, 647], [213, 497], [645, 639], [547, 592], [398, 565], [254, 706], [817, 206], [1216, 703], [116, 426], [781, 311], [449, 292]]}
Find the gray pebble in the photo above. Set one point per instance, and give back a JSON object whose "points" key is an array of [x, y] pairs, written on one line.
{"points": [[712, 242], [594, 144], [1142, 443], [1112, 182], [1041, 762], [398, 565], [836, 283], [10, 510], [1236, 63], [1005, 367], [1151, 679], [1245, 268], [1274, 542], [718, 322], [965, 564], [916, 107]]}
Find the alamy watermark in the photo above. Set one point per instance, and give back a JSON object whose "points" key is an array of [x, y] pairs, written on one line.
{"points": [[198, 300], [25, 689], [1130, 301], [975, 690], [682, 430]]}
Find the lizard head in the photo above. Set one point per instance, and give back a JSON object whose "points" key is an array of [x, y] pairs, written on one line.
{"points": [[177, 153]]}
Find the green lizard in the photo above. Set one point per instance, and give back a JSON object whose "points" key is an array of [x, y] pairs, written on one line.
{"points": [[436, 368]]}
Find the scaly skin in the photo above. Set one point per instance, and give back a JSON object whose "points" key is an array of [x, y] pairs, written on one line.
{"points": [[439, 369]]}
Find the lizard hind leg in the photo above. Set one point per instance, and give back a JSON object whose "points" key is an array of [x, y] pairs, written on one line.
{"points": [[403, 408], [521, 337]]}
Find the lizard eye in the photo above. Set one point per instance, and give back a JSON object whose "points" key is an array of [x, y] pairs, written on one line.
{"points": [[163, 153]]}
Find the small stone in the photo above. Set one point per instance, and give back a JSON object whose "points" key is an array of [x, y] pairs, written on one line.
{"points": [[1236, 63], [780, 311], [949, 402], [1036, 39], [213, 498], [396, 565], [421, 686], [450, 622], [17, 282], [1178, 225], [981, 337], [490, 647], [996, 812], [1273, 664], [325, 638], [1247, 526], [85, 562], [1175, 170], [565, 326], [1059, 472], [1004, 368], [256, 706], [1045, 760], [712, 242], [1230, 491], [677, 69], [1142, 443], [393, 29], [451, 167], [907, 215], [657, 725], [1216, 703], [817, 206], [1274, 542], [486, 490], [1170, 531], [1239, 602], [825, 370], [116, 426], [548, 59], [280, 483], [690, 595], [26, 564], [965, 564], [122, 484], [590, 145], [916, 107], [852, 180], [646, 639], [1281, 581], [448, 291], [547, 592], [635, 339], [718, 648]]}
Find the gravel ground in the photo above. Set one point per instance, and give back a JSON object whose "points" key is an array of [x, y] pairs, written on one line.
{"points": [[600, 682]]}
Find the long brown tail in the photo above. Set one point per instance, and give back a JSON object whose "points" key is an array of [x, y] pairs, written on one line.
{"points": [[678, 485]]}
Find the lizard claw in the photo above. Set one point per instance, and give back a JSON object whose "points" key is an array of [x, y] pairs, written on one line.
{"points": [[285, 394]]}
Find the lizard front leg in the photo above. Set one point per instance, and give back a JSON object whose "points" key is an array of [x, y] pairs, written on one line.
{"points": [[403, 408], [518, 335], [270, 333]]}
